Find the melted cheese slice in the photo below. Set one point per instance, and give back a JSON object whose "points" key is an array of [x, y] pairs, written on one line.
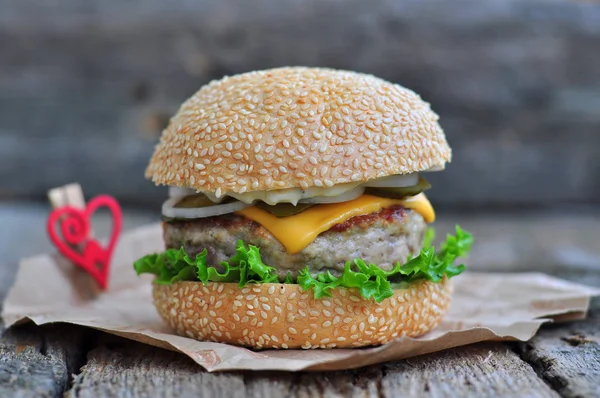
{"points": [[299, 230]]}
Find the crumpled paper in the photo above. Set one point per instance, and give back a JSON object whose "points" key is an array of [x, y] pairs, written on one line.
{"points": [[486, 306]]}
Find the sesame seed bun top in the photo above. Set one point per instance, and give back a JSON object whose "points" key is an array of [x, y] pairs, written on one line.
{"points": [[297, 127]]}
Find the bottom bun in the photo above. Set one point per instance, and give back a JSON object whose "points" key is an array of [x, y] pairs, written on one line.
{"points": [[274, 315]]}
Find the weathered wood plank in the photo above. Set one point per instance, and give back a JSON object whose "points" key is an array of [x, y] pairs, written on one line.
{"points": [[124, 369], [85, 88], [482, 370], [479, 370], [38, 361], [567, 357]]}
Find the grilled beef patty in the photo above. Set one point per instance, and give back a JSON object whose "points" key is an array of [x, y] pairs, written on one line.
{"points": [[382, 238]]}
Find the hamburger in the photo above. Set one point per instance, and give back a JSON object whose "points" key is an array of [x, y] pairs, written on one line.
{"points": [[296, 215]]}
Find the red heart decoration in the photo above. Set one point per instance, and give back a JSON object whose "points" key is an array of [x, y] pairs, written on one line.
{"points": [[74, 225]]}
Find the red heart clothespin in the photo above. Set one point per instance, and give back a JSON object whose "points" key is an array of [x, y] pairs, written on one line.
{"points": [[76, 242]]}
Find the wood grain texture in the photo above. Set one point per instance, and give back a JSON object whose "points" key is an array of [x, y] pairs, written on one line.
{"points": [[480, 370], [122, 368], [86, 88], [567, 357], [475, 371], [38, 362]]}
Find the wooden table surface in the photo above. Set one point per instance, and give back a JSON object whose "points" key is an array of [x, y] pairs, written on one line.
{"points": [[562, 360]]}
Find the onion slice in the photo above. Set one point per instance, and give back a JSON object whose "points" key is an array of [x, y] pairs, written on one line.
{"points": [[169, 209], [394, 181], [345, 197]]}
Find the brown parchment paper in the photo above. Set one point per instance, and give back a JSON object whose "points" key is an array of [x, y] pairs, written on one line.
{"points": [[486, 306]]}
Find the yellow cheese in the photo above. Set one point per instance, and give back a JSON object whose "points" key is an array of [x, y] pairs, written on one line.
{"points": [[299, 230], [421, 205]]}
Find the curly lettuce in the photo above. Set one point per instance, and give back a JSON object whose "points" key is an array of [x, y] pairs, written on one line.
{"points": [[246, 266]]}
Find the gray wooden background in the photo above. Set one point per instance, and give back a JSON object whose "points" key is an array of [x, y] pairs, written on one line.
{"points": [[86, 86]]}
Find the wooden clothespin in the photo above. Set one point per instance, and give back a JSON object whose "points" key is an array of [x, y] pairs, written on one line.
{"points": [[72, 218]]}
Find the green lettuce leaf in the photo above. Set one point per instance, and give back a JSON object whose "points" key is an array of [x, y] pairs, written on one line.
{"points": [[175, 265], [246, 266]]}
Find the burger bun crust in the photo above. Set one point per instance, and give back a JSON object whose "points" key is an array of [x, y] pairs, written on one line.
{"points": [[283, 316], [297, 127]]}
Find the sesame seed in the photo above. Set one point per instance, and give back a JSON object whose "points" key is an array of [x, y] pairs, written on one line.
{"points": [[294, 108]]}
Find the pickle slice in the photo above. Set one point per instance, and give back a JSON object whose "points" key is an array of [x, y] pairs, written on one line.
{"points": [[400, 192], [284, 209], [169, 219], [199, 200]]}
